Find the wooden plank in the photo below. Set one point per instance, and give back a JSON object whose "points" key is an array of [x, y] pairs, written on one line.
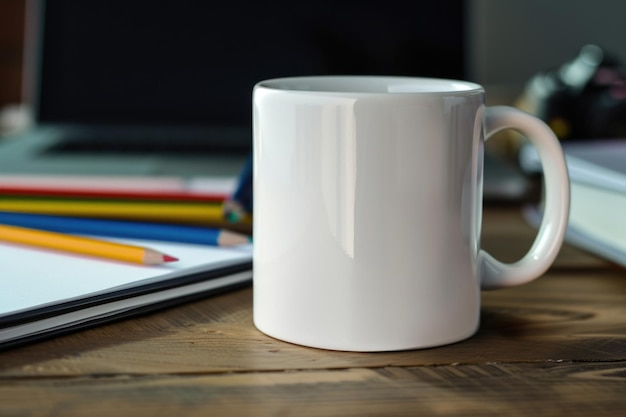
{"points": [[493, 389], [559, 317], [555, 346], [570, 314]]}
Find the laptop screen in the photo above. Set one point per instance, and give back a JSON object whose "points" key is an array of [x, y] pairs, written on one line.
{"points": [[194, 63]]}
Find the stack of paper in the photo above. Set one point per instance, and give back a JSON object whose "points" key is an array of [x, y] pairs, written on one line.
{"points": [[597, 172], [45, 292]]}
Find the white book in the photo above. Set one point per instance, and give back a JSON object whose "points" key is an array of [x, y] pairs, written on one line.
{"points": [[597, 172], [45, 293]]}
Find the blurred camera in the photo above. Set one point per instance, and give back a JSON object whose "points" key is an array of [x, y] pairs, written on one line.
{"points": [[582, 99]]}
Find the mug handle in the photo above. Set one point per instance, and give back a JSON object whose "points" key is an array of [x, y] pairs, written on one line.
{"points": [[495, 274]]}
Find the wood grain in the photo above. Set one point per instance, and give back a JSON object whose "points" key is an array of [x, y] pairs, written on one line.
{"points": [[555, 318], [554, 346], [492, 389]]}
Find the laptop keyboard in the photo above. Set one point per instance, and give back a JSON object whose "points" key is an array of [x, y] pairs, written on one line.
{"points": [[148, 144]]}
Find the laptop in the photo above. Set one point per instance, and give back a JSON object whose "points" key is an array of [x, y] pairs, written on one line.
{"points": [[139, 87]]}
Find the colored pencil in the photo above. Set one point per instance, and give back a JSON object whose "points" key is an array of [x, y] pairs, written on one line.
{"points": [[239, 205], [124, 186], [169, 212], [111, 194], [125, 229], [83, 246]]}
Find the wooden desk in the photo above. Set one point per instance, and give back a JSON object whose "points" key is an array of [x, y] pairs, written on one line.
{"points": [[555, 347]]}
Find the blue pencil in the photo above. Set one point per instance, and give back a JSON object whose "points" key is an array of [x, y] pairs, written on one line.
{"points": [[239, 205], [125, 229]]}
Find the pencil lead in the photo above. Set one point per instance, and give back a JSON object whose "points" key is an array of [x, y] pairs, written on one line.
{"points": [[168, 258]]}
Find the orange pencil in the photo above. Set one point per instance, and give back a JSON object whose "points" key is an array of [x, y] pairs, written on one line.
{"points": [[83, 245]]}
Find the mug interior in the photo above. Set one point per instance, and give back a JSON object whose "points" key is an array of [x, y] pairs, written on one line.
{"points": [[370, 84]]}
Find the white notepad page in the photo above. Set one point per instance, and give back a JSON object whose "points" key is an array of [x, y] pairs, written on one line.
{"points": [[32, 277]]}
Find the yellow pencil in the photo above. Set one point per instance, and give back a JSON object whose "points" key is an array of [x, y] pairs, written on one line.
{"points": [[82, 245], [193, 213]]}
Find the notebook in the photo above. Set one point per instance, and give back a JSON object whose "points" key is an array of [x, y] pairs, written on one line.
{"points": [[164, 88], [597, 171], [64, 292]]}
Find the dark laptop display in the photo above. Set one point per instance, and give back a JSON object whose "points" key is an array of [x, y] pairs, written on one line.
{"points": [[192, 64], [138, 87]]}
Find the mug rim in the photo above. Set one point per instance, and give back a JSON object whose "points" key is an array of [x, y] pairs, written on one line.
{"points": [[370, 84]]}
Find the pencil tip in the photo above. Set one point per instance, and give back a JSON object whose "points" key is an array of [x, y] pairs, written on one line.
{"points": [[168, 258], [228, 238]]}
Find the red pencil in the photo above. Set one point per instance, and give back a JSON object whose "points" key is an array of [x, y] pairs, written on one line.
{"points": [[114, 194], [132, 187]]}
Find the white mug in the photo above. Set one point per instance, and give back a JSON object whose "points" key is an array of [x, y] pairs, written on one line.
{"points": [[368, 207]]}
